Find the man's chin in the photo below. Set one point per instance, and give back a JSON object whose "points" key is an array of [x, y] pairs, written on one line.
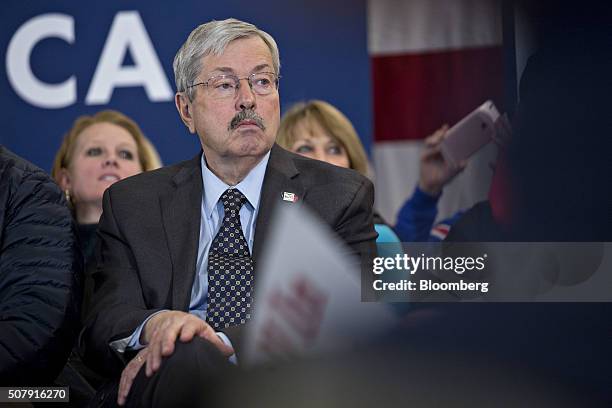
{"points": [[250, 142], [255, 147], [259, 150]]}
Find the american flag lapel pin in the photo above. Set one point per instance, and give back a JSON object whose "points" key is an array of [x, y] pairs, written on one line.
{"points": [[291, 197]]}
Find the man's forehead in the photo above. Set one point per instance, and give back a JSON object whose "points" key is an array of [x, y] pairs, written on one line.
{"points": [[231, 70], [249, 53]]}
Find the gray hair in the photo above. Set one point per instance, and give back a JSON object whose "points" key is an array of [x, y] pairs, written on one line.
{"points": [[212, 38]]}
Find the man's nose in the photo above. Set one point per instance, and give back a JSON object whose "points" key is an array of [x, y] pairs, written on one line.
{"points": [[246, 96]]}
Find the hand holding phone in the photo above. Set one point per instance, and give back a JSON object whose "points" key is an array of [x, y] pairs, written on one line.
{"points": [[434, 170]]}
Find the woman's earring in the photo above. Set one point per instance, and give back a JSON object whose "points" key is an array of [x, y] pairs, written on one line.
{"points": [[67, 194]]}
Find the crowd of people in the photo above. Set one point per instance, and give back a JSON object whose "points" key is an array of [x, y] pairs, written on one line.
{"points": [[131, 282]]}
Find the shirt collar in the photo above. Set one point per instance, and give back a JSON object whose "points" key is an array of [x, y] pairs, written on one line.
{"points": [[214, 187]]}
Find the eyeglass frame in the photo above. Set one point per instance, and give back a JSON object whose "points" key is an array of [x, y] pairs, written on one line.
{"points": [[238, 79]]}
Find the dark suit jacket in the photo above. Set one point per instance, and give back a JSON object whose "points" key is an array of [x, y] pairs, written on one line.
{"points": [[149, 235]]}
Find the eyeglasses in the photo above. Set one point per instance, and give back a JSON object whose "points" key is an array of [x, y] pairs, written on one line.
{"points": [[226, 86]]}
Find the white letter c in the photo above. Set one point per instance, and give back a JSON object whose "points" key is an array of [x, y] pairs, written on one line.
{"points": [[18, 68]]}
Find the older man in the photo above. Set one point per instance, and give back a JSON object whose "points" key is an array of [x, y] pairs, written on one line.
{"points": [[179, 245]]}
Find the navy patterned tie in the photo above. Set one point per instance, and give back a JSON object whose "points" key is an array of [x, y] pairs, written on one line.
{"points": [[230, 268]]}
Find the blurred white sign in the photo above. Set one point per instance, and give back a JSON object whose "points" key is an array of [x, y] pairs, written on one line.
{"points": [[308, 296]]}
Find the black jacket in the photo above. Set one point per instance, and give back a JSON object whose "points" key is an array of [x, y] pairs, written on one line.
{"points": [[40, 267]]}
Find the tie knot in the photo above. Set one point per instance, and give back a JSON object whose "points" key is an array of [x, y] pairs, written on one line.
{"points": [[232, 200]]}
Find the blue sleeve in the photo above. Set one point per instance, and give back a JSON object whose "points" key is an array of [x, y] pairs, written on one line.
{"points": [[416, 217]]}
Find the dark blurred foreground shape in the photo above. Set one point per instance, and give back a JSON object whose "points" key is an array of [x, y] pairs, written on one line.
{"points": [[40, 267]]}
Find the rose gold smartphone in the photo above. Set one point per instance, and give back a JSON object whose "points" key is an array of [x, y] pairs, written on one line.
{"points": [[470, 134]]}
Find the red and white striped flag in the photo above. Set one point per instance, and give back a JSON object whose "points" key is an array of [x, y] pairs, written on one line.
{"points": [[433, 62]]}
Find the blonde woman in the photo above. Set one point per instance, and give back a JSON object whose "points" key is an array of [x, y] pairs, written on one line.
{"points": [[96, 152]]}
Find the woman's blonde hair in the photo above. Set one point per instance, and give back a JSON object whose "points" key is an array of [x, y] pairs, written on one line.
{"points": [[147, 154], [332, 121]]}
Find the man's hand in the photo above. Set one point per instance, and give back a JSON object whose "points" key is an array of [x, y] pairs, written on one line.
{"points": [[129, 373], [435, 171], [162, 330]]}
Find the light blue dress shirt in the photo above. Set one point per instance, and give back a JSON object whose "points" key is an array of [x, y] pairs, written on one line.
{"points": [[212, 213]]}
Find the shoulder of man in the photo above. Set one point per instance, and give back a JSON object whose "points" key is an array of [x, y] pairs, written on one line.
{"points": [[324, 175], [341, 197], [15, 169], [22, 182], [152, 183]]}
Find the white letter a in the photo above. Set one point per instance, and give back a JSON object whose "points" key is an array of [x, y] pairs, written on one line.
{"points": [[128, 32]]}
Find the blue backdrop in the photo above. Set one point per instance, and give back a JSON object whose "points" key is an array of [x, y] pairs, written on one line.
{"points": [[322, 46]]}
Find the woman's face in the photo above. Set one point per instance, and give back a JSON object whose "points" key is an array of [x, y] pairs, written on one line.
{"points": [[314, 142], [104, 153]]}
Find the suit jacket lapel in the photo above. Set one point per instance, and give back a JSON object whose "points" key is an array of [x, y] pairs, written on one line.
{"points": [[181, 214], [281, 176]]}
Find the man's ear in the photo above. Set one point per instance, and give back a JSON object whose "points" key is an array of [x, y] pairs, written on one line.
{"points": [[65, 181], [184, 108]]}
